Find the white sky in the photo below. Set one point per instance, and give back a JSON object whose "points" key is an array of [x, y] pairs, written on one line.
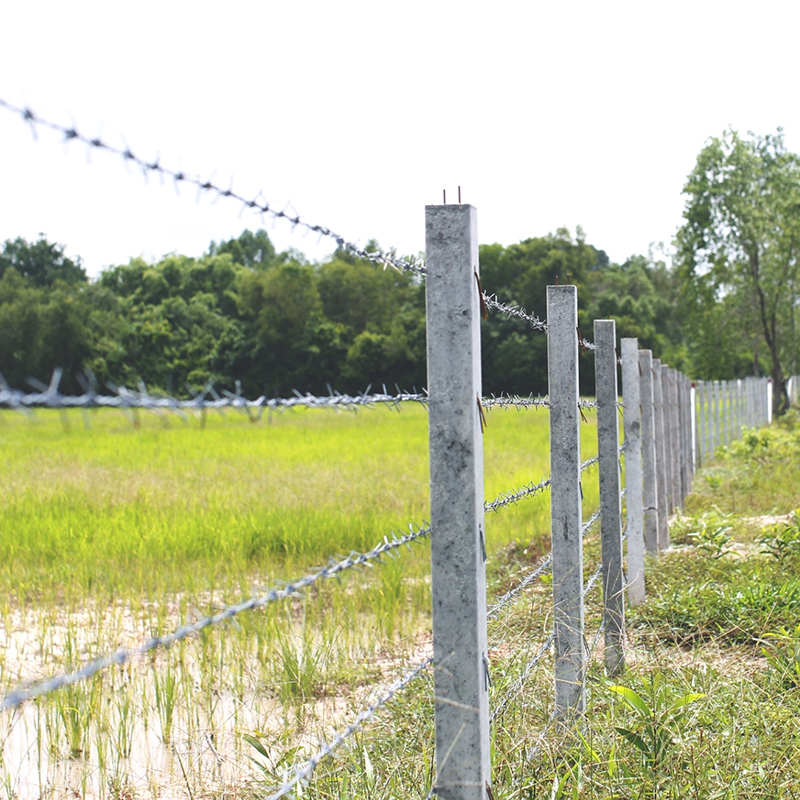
{"points": [[358, 114]]}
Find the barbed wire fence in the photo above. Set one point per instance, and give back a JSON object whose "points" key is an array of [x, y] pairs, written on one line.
{"points": [[659, 444]]}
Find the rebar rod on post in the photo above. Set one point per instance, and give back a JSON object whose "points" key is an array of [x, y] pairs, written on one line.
{"points": [[632, 423], [565, 500], [661, 454], [649, 463], [458, 573]]}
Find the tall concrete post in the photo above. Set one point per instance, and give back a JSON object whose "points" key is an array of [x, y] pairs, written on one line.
{"points": [[565, 500], [669, 433], [631, 420], [701, 422], [605, 369], [649, 469], [661, 454], [675, 437], [458, 573]]}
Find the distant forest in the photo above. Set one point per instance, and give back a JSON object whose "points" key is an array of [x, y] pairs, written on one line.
{"points": [[276, 322]]}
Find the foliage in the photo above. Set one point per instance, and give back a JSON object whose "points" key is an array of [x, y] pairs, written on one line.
{"points": [[710, 531], [658, 718], [783, 540], [737, 255]]}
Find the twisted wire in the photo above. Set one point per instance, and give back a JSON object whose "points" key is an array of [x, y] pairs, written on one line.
{"points": [[207, 399], [303, 774], [19, 696], [517, 685], [257, 203], [544, 566], [515, 495], [517, 402], [513, 310], [590, 462]]}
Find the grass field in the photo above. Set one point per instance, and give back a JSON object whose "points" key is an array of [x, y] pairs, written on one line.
{"points": [[119, 509], [113, 532]]}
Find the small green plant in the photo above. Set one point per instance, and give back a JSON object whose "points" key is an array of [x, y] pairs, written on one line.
{"points": [[782, 541], [658, 719], [710, 532], [784, 655]]}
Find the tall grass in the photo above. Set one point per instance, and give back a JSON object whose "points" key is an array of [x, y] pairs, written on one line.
{"points": [[113, 533], [117, 508]]}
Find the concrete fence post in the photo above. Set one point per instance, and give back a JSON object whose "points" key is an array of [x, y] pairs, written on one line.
{"points": [[701, 422], [649, 468], [691, 459], [565, 500], [605, 370], [685, 437], [631, 420], [458, 576], [728, 414], [671, 433], [770, 390], [661, 455]]}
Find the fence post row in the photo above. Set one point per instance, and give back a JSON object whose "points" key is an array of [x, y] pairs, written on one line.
{"points": [[669, 428], [458, 551]]}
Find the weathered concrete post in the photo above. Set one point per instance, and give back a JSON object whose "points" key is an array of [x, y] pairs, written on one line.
{"points": [[649, 470], [605, 369], [692, 430], [669, 433], [675, 437], [565, 500], [458, 575], [631, 420], [661, 457], [701, 423]]}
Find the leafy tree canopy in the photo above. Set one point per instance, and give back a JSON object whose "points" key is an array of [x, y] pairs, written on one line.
{"points": [[737, 253], [40, 262]]}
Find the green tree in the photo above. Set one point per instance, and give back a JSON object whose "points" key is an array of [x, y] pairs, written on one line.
{"points": [[737, 249], [41, 262]]}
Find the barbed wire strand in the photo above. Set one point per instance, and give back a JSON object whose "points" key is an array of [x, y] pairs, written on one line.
{"points": [[19, 696], [256, 204], [302, 775], [520, 681], [544, 566], [518, 402], [515, 495]]}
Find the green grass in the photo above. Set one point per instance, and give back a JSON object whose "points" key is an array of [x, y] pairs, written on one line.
{"points": [[113, 533], [121, 509]]}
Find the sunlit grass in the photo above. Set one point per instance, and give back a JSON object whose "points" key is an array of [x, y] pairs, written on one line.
{"points": [[172, 507]]}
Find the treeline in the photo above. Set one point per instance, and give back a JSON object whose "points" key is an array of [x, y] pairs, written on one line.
{"points": [[275, 322]]}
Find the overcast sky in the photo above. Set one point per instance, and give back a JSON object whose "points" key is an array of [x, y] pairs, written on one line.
{"points": [[356, 115]]}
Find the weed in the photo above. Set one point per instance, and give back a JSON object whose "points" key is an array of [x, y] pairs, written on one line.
{"points": [[783, 540], [658, 718]]}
